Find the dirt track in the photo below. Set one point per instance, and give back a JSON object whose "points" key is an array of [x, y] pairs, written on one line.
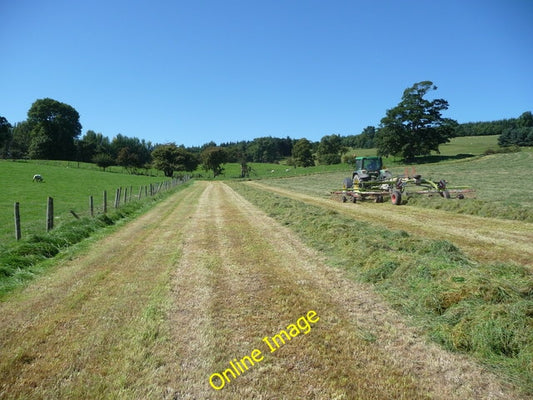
{"points": [[485, 239], [171, 298]]}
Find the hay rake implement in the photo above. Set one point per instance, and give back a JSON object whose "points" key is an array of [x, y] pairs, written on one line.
{"points": [[371, 181]]}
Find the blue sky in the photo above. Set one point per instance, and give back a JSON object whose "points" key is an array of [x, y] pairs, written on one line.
{"points": [[191, 72]]}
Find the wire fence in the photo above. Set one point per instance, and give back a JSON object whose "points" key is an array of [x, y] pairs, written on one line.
{"points": [[96, 205]]}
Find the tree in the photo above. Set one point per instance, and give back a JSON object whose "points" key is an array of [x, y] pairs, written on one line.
{"points": [[525, 120], [365, 140], [5, 136], [169, 158], [54, 126], [301, 153], [264, 149], [330, 149], [91, 144], [521, 135], [415, 126], [212, 158], [142, 149], [20, 143], [128, 159], [103, 160]]}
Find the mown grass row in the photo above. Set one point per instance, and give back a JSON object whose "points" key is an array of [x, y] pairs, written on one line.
{"points": [[499, 181], [22, 261], [485, 310]]}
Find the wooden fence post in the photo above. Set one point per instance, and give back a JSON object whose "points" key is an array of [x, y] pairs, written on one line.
{"points": [[91, 206], [117, 198], [105, 202], [140, 192], [125, 195], [18, 234], [50, 214]]}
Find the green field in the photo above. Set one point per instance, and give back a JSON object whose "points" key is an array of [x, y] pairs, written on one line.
{"points": [[467, 305], [498, 179], [500, 182], [474, 145], [68, 185]]}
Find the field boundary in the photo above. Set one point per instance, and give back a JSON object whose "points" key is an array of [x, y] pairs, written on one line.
{"points": [[22, 260], [122, 195]]}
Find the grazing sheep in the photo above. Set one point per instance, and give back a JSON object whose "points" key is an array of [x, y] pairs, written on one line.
{"points": [[37, 178]]}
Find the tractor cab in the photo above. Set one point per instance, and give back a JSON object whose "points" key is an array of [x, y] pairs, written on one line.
{"points": [[369, 168]]}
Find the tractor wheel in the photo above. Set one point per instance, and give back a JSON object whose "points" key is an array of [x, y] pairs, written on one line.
{"points": [[347, 183], [396, 197], [445, 194]]}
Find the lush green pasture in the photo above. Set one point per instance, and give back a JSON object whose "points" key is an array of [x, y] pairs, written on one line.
{"points": [[474, 145], [459, 147], [83, 165], [69, 186]]}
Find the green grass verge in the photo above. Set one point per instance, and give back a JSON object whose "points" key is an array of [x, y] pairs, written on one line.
{"points": [[22, 261], [485, 310]]}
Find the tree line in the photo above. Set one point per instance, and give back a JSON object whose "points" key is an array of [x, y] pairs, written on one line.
{"points": [[414, 127]]}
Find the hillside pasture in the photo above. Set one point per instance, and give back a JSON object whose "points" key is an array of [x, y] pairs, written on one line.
{"points": [[500, 181], [69, 186]]}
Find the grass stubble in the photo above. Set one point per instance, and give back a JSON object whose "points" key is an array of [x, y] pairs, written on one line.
{"points": [[251, 277], [159, 305], [484, 239], [484, 309], [95, 326]]}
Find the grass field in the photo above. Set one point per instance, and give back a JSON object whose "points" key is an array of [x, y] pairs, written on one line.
{"points": [[500, 181], [164, 302], [69, 186], [483, 309]]}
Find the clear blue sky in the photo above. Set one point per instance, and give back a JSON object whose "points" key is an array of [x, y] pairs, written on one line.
{"points": [[196, 71]]}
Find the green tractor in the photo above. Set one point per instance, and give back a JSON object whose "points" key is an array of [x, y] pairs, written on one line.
{"points": [[371, 180]]}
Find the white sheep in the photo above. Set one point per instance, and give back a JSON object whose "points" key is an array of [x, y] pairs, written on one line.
{"points": [[37, 178]]}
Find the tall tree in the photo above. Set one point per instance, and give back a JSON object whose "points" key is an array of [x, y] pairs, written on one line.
{"points": [[128, 159], [264, 149], [54, 126], [169, 158], [92, 143], [213, 158], [142, 149], [301, 153], [103, 160], [525, 120], [415, 126], [330, 149], [20, 143], [5, 136]]}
